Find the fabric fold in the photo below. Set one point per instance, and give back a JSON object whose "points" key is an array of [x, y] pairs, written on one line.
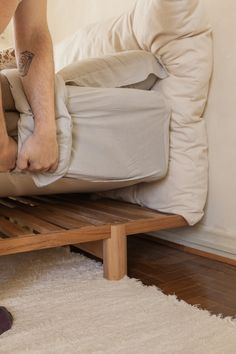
{"points": [[26, 125]]}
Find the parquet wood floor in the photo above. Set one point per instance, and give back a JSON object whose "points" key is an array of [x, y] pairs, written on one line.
{"points": [[194, 279], [197, 280]]}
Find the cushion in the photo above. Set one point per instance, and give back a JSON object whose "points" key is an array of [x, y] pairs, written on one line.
{"points": [[179, 35], [135, 69]]}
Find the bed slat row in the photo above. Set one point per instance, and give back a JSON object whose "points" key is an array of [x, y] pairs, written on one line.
{"points": [[35, 222]]}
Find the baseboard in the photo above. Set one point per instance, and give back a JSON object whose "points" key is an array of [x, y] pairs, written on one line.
{"points": [[202, 238]]}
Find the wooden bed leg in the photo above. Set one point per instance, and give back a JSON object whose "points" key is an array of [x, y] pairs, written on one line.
{"points": [[115, 253]]}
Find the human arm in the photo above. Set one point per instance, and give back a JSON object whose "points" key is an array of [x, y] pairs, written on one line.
{"points": [[8, 147], [34, 56]]}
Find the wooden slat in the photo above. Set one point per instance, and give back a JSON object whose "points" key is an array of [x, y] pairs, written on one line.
{"points": [[42, 198], [9, 229], [66, 210], [75, 219], [129, 208], [53, 239], [91, 212], [56, 217], [95, 248], [23, 200], [160, 222], [109, 213], [110, 209], [7, 202], [29, 220]]}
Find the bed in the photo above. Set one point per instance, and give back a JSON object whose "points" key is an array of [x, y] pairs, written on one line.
{"points": [[174, 192]]}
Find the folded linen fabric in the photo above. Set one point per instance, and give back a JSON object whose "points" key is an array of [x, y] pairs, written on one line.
{"points": [[134, 68], [26, 125], [118, 134], [115, 136]]}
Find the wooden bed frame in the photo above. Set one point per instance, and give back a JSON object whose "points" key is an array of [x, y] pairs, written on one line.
{"points": [[99, 227]]}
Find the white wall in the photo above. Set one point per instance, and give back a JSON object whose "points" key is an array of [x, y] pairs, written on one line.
{"points": [[6, 39], [217, 231], [65, 16]]}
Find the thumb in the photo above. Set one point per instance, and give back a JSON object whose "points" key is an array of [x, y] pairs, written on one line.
{"points": [[22, 162]]}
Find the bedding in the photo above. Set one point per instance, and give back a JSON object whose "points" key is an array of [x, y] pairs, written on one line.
{"points": [[107, 138], [179, 35], [134, 69]]}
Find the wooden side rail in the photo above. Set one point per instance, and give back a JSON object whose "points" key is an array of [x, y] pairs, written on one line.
{"points": [[100, 227]]}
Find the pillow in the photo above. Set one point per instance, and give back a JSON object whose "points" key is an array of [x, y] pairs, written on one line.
{"points": [[178, 32], [133, 69]]}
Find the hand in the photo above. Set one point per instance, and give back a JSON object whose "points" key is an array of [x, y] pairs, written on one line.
{"points": [[39, 153], [8, 155]]}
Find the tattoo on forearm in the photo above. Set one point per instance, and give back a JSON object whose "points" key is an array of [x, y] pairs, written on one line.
{"points": [[24, 62]]}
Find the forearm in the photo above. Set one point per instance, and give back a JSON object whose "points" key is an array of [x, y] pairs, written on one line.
{"points": [[36, 67], [8, 147], [3, 129]]}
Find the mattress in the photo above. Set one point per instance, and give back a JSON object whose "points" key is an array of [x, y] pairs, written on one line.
{"points": [[109, 138]]}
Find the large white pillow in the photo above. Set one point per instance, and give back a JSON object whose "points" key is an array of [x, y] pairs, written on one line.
{"points": [[134, 69], [178, 33]]}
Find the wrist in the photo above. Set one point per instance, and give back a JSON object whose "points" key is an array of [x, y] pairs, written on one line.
{"points": [[45, 130]]}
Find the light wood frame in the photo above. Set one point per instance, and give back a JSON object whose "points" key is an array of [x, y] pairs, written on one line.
{"points": [[99, 227]]}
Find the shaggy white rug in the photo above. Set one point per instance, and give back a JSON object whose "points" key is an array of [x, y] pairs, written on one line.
{"points": [[62, 305]]}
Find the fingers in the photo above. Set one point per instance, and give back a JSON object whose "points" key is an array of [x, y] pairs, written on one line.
{"points": [[36, 167], [53, 167], [24, 164]]}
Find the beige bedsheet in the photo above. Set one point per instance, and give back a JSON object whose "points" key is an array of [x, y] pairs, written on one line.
{"points": [[118, 137]]}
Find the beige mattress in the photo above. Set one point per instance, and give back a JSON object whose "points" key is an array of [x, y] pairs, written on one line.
{"points": [[109, 138]]}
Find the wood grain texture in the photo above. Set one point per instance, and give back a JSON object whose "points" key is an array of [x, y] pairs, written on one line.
{"points": [[37, 222], [28, 243], [48, 218], [195, 251], [95, 248], [198, 280], [115, 254], [192, 278]]}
